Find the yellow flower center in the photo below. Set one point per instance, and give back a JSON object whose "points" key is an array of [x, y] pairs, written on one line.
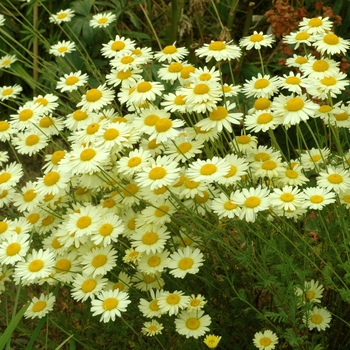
{"points": [[163, 124], [180, 100], [191, 184], [25, 114], [7, 92], [269, 165], [63, 265], [48, 220], [320, 66], [335, 178], [4, 125], [154, 261], [123, 75], [316, 198], [316, 319], [315, 157], [230, 205], [185, 72], [261, 83], [62, 15], [110, 303], [325, 109], [92, 128], [252, 202], [201, 89], [264, 118], [62, 49], [302, 36], [41, 101], [341, 116], [309, 295], [265, 341], [256, 38], [130, 190], [292, 174], [35, 265], [294, 104], [51, 178], [217, 46], [329, 81], [119, 286], [13, 249], [287, 197], [3, 227], [175, 67], [79, 115], [32, 140], [170, 49], [243, 139], [315, 22], [3, 194], [149, 278], [118, 45], [144, 86], [106, 230], [99, 260], [111, 134], [137, 52], [88, 285], [87, 154], [219, 113], [173, 299], [84, 222], [45, 122], [72, 80], [93, 95], [201, 198], [6, 62], [57, 156], [4, 177], [331, 39], [231, 172], [192, 323], [39, 306], [184, 147], [262, 103], [154, 305], [157, 173], [160, 190], [132, 224], [127, 59], [150, 238], [185, 263], [293, 80], [195, 302], [134, 161], [102, 20], [301, 60], [208, 169], [346, 198], [33, 218], [151, 120], [161, 211], [29, 195]]}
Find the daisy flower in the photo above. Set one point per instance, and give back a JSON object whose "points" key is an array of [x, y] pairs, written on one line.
{"points": [[192, 324], [292, 109], [110, 304], [114, 136], [244, 143], [316, 25], [10, 176], [127, 78], [7, 92], [319, 68], [151, 308], [131, 164], [38, 264], [317, 197], [270, 168], [87, 286], [182, 149], [6, 130], [225, 206], [110, 227], [29, 142], [299, 37], [27, 198], [71, 82], [293, 82], [124, 282], [26, 115], [293, 176], [7, 60], [345, 199], [158, 213], [117, 46], [173, 302], [66, 267], [145, 91], [143, 53], [40, 307], [197, 302], [257, 40], [53, 182], [14, 248], [145, 282], [297, 60], [97, 98], [80, 120], [208, 170], [314, 158], [318, 318], [266, 340], [154, 262], [219, 50], [102, 20], [204, 74], [152, 328], [260, 104], [2, 20], [62, 48], [212, 341], [340, 116], [331, 44], [62, 16], [312, 292], [99, 261], [171, 53], [185, 261], [161, 171], [336, 179], [221, 117], [170, 72], [4, 157], [261, 121], [287, 198], [126, 62], [252, 201], [261, 86], [150, 241]]}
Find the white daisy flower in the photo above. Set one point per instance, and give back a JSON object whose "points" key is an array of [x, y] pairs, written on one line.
{"points": [[62, 16], [96, 98], [40, 307], [219, 50], [72, 81], [102, 20], [318, 318], [171, 53], [192, 323], [62, 48], [257, 40]]}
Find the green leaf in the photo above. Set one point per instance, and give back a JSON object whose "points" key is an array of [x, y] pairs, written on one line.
{"points": [[83, 7], [35, 334], [6, 336], [22, 72]]}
